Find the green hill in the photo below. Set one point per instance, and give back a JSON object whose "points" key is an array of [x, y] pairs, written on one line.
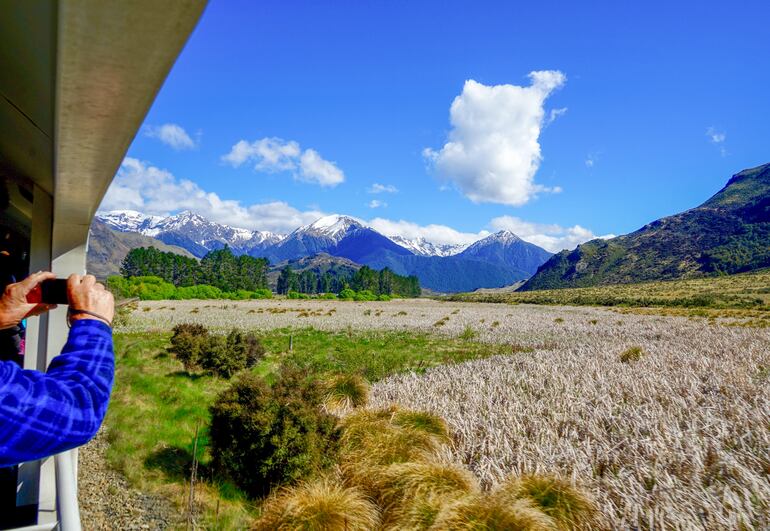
{"points": [[729, 233]]}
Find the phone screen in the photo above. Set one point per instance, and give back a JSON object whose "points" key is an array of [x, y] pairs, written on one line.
{"points": [[54, 291]]}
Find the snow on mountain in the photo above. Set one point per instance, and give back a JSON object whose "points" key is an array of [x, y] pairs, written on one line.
{"points": [[335, 227], [503, 237], [189, 230], [128, 220], [423, 247]]}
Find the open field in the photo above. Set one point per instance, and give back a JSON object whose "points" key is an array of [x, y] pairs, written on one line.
{"points": [[676, 434], [747, 291]]}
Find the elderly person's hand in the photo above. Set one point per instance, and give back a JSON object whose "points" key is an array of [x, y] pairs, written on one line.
{"points": [[14, 305], [91, 298]]}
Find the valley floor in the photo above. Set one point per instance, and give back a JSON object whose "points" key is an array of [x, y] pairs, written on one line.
{"points": [[673, 434]]}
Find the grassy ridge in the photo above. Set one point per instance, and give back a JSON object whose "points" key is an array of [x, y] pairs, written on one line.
{"points": [[156, 404], [749, 291]]}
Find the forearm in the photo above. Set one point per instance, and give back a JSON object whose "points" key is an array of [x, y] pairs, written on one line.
{"points": [[44, 414]]}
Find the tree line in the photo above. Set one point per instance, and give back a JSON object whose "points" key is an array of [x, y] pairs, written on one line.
{"points": [[230, 273], [384, 282], [221, 269]]}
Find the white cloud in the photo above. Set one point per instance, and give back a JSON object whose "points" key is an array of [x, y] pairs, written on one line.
{"points": [[378, 188], [554, 114], [314, 169], [440, 234], [376, 203], [172, 135], [551, 237], [718, 138], [276, 155], [141, 186], [493, 152]]}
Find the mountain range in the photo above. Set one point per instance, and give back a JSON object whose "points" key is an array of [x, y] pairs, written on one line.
{"points": [[497, 260], [729, 233]]}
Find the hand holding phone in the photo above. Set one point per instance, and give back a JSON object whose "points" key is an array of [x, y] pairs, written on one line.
{"points": [[50, 291]]}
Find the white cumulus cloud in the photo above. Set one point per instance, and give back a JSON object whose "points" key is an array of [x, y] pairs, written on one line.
{"points": [[276, 155], [378, 188], [493, 153], [550, 237], [151, 190], [440, 234], [172, 135], [376, 203]]}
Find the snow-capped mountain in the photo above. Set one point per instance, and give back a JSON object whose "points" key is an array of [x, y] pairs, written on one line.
{"points": [[422, 247], [505, 248], [190, 231], [336, 235], [128, 220], [333, 227], [497, 260]]}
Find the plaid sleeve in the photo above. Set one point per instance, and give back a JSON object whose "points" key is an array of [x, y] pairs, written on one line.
{"points": [[42, 414]]}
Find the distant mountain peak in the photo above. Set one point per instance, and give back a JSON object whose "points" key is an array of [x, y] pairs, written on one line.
{"points": [[505, 236], [334, 226]]}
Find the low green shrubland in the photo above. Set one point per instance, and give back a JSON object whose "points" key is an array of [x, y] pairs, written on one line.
{"points": [[155, 288]]}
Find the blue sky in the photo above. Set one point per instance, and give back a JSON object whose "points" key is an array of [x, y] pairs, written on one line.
{"points": [[641, 110]]}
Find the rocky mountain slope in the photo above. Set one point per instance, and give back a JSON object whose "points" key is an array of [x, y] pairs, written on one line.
{"points": [[107, 248], [729, 233]]}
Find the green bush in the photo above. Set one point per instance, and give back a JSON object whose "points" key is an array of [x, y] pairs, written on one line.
{"points": [[365, 295], [224, 356], [262, 294], [187, 343], [263, 437], [245, 346], [384, 298], [347, 294]]}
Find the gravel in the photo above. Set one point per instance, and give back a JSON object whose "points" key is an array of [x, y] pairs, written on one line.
{"points": [[107, 502]]}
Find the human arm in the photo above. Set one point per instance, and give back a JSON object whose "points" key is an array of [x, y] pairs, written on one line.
{"points": [[46, 413]]}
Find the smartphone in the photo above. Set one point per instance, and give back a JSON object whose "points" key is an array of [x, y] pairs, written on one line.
{"points": [[54, 291]]}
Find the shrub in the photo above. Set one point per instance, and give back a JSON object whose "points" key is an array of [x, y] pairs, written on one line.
{"points": [[263, 436], [262, 294], [347, 294], [632, 354], [567, 505], [318, 506], [219, 358], [384, 298], [346, 391], [245, 346], [365, 295], [187, 343]]}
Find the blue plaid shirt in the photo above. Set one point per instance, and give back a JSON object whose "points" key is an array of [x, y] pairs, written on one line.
{"points": [[42, 414]]}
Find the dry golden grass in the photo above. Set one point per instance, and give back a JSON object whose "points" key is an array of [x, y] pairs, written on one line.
{"points": [[412, 494], [320, 505], [344, 392], [569, 506], [485, 513], [677, 439]]}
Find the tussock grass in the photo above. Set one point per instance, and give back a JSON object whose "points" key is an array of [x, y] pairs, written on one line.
{"points": [[412, 494], [321, 505], [569, 507], [346, 391], [484, 513], [631, 354]]}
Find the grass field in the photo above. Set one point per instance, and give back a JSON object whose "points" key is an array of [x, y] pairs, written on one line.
{"points": [[663, 418], [748, 291], [156, 405]]}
